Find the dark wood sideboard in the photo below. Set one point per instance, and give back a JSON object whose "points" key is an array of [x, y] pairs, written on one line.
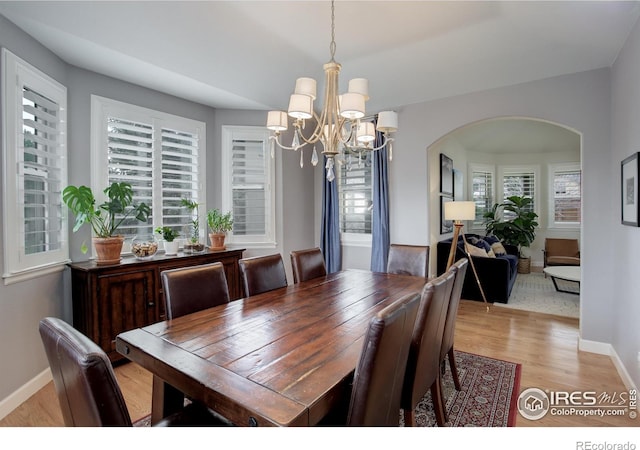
{"points": [[110, 299]]}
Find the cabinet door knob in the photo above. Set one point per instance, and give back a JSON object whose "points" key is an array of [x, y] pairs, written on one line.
{"points": [[151, 304]]}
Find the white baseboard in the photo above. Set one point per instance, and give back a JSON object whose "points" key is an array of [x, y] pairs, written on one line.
{"points": [[602, 348], [20, 396]]}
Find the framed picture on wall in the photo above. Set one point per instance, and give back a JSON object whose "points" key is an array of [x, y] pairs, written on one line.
{"points": [[446, 175], [446, 226], [629, 190]]}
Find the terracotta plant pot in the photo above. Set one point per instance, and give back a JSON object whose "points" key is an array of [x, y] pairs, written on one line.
{"points": [[217, 241], [108, 249]]}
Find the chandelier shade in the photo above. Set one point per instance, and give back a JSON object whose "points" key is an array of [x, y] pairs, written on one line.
{"points": [[341, 125]]}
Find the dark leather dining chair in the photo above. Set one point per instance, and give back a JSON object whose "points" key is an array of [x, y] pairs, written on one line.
{"points": [[379, 375], [307, 264], [423, 364], [262, 273], [460, 270], [408, 260], [194, 288], [87, 387]]}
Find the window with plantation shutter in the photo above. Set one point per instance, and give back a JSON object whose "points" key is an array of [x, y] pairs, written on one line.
{"points": [[520, 181], [565, 200], [247, 185], [35, 158], [162, 156], [356, 195], [482, 192]]}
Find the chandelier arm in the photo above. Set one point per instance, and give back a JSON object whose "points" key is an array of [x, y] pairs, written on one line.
{"points": [[387, 140], [280, 144]]}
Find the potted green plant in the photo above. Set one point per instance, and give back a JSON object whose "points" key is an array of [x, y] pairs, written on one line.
{"points": [[104, 218], [520, 230], [169, 235], [219, 225], [193, 244]]}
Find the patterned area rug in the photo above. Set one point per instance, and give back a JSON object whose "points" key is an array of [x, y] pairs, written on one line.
{"points": [[487, 399], [490, 389], [534, 292]]}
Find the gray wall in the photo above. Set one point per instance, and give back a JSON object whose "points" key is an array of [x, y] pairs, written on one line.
{"points": [[625, 133], [22, 305]]}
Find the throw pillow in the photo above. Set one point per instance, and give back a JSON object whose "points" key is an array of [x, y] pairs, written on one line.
{"points": [[480, 243], [498, 249], [475, 251], [491, 239]]}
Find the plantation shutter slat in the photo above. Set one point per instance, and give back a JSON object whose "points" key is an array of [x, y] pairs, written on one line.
{"points": [[567, 196], [520, 183], [179, 176], [249, 177], [482, 191], [130, 145], [355, 194], [41, 174]]}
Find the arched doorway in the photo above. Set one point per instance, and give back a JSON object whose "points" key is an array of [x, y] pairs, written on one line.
{"points": [[484, 152]]}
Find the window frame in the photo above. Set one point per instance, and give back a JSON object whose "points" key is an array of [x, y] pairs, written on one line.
{"points": [[354, 239], [552, 170], [249, 132], [18, 265], [523, 168], [485, 168], [101, 109]]}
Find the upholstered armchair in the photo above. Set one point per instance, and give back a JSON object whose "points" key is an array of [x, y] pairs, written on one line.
{"points": [[561, 252]]}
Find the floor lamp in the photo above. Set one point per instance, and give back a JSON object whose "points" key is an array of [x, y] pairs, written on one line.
{"points": [[459, 212]]}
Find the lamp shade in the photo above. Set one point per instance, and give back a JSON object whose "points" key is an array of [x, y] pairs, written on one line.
{"points": [[459, 210], [359, 86], [387, 121], [366, 132], [306, 86], [352, 105], [300, 106], [277, 120]]}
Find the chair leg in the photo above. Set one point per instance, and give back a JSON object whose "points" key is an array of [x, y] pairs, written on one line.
{"points": [[443, 401], [436, 398], [409, 418], [454, 369]]}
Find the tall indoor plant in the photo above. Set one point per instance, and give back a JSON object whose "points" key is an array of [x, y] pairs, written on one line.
{"points": [[219, 225], [520, 230], [104, 218]]}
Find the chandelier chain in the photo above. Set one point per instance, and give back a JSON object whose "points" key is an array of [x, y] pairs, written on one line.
{"points": [[332, 46]]}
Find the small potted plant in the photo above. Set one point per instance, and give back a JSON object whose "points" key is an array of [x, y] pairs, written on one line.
{"points": [[193, 244], [104, 218], [219, 224], [169, 235]]}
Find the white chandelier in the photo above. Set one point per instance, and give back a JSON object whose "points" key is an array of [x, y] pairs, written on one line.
{"points": [[339, 127]]}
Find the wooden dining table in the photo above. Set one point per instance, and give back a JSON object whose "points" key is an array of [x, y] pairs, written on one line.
{"points": [[281, 358]]}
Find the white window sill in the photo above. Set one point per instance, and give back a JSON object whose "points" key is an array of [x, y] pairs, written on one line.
{"points": [[26, 275]]}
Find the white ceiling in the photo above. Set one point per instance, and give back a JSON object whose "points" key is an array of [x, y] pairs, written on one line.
{"points": [[247, 54]]}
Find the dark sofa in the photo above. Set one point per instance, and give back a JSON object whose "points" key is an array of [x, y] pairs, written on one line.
{"points": [[497, 275]]}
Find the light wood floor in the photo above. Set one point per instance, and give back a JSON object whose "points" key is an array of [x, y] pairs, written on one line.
{"points": [[545, 345]]}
